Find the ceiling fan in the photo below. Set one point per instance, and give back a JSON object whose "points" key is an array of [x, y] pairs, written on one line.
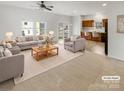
{"points": [[43, 6]]}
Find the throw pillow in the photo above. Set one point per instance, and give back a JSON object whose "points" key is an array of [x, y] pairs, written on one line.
{"points": [[29, 38], [20, 39], [1, 43], [1, 51], [4, 44], [7, 52], [8, 45], [40, 37], [35, 38]]}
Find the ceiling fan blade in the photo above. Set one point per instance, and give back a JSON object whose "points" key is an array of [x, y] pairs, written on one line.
{"points": [[34, 6], [48, 8], [42, 5], [38, 3]]}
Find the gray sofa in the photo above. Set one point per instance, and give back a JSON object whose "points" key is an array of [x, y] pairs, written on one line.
{"points": [[76, 45], [27, 42], [11, 67]]}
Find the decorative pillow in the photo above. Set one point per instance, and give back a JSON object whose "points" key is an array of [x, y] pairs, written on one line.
{"points": [[8, 45], [35, 38], [29, 38], [7, 52], [4, 44], [23, 39], [20, 39], [1, 51], [40, 37], [14, 43], [1, 43]]}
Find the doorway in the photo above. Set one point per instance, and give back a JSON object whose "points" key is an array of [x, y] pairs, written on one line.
{"points": [[63, 32], [105, 23], [97, 40]]}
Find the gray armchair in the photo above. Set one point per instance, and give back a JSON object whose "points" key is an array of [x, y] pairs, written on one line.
{"points": [[11, 67], [74, 46]]}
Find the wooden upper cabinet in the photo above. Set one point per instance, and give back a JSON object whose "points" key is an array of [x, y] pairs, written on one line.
{"points": [[87, 23], [104, 22]]}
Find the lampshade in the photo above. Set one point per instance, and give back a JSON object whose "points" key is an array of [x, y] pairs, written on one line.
{"points": [[51, 32], [9, 35]]}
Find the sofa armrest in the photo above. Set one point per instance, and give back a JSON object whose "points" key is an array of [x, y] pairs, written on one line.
{"points": [[11, 66], [80, 43], [15, 61]]}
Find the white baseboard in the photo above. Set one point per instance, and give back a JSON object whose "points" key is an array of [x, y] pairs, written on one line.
{"points": [[120, 59]]}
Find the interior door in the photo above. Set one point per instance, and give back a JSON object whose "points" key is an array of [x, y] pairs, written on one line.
{"points": [[105, 24]]}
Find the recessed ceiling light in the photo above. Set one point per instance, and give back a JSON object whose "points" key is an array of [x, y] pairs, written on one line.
{"points": [[104, 4], [74, 11]]}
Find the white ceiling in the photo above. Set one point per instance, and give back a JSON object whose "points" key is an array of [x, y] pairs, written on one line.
{"points": [[70, 8]]}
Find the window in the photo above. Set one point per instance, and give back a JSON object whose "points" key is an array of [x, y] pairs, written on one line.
{"points": [[33, 28]]}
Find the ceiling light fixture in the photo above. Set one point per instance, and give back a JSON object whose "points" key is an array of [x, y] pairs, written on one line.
{"points": [[74, 11], [104, 4]]}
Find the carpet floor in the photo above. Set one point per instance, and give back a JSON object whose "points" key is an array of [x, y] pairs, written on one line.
{"points": [[81, 73]]}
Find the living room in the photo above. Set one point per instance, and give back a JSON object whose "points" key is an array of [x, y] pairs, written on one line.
{"points": [[45, 44]]}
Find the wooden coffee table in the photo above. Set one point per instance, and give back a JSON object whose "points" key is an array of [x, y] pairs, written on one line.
{"points": [[44, 52]]}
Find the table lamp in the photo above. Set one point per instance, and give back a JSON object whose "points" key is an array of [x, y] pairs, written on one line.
{"points": [[9, 35], [51, 32]]}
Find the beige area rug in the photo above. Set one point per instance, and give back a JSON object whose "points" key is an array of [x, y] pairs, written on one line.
{"points": [[33, 68]]}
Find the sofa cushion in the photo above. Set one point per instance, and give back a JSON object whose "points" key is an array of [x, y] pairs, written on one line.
{"points": [[8, 45], [68, 44], [1, 51], [4, 44], [41, 41], [20, 39], [34, 42], [1, 43], [21, 44], [29, 38], [35, 38], [40, 37]]}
